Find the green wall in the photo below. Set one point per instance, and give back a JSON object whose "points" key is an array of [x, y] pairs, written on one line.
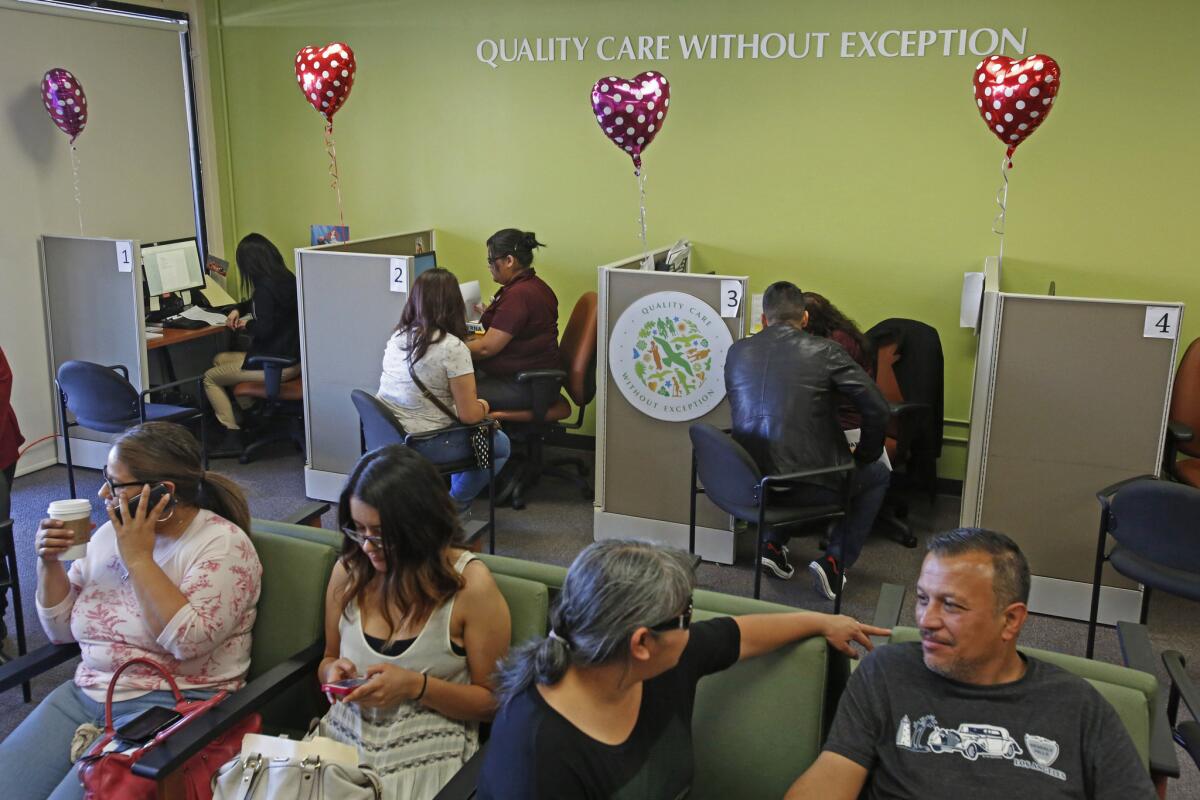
{"points": [[870, 180]]}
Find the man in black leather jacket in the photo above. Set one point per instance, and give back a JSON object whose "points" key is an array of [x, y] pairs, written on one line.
{"points": [[783, 386]]}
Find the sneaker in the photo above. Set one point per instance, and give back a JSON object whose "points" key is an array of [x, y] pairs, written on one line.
{"points": [[825, 573], [775, 560]]}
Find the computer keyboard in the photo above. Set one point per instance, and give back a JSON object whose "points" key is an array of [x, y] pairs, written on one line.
{"points": [[183, 323]]}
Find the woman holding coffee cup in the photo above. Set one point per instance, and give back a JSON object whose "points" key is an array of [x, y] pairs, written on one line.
{"points": [[171, 576]]}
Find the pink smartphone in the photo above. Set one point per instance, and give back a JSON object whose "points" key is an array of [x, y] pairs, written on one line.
{"points": [[343, 687]]}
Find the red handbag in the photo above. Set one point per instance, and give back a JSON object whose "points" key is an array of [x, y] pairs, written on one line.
{"points": [[109, 775]]}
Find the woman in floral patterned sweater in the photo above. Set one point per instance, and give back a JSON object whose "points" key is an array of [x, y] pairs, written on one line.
{"points": [[176, 583]]}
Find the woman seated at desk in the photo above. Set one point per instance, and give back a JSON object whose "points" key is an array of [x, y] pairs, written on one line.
{"points": [[825, 320], [428, 381], [275, 328], [520, 324]]}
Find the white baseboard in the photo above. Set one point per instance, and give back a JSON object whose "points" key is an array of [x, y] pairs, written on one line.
{"points": [[712, 544], [1073, 600]]}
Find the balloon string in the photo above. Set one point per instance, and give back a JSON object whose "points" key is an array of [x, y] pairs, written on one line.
{"points": [[78, 195], [331, 148], [641, 179], [1002, 201]]}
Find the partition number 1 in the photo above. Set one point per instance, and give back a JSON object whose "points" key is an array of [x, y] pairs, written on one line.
{"points": [[1162, 322], [125, 256]]}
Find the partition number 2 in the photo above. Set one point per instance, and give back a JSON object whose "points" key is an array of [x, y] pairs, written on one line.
{"points": [[1162, 322], [398, 275]]}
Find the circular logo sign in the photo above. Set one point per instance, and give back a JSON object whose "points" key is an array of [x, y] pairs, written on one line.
{"points": [[667, 355]]}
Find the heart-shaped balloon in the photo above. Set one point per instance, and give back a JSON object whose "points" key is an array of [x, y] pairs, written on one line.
{"points": [[632, 112], [1015, 97], [326, 75], [65, 102]]}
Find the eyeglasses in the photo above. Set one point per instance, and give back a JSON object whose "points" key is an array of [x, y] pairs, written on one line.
{"points": [[112, 487], [360, 539], [680, 623], [493, 259]]}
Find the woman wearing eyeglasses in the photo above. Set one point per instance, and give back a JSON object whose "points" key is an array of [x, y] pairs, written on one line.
{"points": [[604, 703], [419, 618], [520, 325], [171, 577]]}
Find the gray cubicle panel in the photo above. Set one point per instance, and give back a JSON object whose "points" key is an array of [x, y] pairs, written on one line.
{"points": [[94, 312], [1077, 400], [643, 464], [347, 313]]}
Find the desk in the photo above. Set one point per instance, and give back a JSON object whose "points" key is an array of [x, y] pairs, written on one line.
{"points": [[173, 336]]}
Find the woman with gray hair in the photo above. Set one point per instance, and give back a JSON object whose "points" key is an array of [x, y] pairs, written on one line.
{"points": [[603, 705]]}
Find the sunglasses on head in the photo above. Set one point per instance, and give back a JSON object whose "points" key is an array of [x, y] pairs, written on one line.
{"points": [[679, 623]]}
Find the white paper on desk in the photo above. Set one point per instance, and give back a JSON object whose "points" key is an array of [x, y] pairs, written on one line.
{"points": [[972, 300], [203, 315], [214, 291], [854, 436], [472, 298]]}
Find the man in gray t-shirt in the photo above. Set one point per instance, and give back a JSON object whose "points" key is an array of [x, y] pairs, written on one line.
{"points": [[962, 712]]}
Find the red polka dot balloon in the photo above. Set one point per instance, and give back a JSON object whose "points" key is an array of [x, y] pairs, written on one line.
{"points": [[326, 75], [65, 102], [631, 112], [1015, 97]]}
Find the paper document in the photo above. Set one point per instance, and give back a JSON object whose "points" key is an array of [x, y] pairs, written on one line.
{"points": [[203, 315], [854, 435], [153, 334], [472, 299], [756, 312], [214, 292], [972, 300]]}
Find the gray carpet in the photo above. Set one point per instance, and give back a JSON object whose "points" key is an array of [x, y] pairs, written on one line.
{"points": [[558, 523]]}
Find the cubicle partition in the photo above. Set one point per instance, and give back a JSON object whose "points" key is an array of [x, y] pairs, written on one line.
{"points": [[1071, 396], [350, 296], [92, 296], [650, 387]]}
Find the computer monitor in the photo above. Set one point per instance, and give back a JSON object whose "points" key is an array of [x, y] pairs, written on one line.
{"points": [[172, 266], [423, 262]]}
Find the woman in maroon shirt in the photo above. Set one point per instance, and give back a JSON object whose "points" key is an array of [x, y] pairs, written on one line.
{"points": [[10, 436], [520, 324], [826, 321]]}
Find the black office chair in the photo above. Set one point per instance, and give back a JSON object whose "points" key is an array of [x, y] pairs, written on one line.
{"points": [[1186, 733], [731, 479], [101, 400], [379, 427], [279, 417], [1156, 535]]}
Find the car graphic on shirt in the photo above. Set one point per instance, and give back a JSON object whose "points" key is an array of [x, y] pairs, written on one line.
{"points": [[974, 740]]}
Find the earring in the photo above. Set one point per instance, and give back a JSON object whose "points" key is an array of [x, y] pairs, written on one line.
{"points": [[170, 514]]}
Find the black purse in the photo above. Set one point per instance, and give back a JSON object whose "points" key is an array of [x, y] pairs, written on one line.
{"points": [[479, 436]]}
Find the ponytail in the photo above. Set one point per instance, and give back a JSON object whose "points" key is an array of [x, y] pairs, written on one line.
{"points": [[223, 497], [543, 661], [516, 243]]}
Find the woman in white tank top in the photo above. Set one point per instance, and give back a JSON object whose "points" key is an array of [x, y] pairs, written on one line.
{"points": [[420, 619]]}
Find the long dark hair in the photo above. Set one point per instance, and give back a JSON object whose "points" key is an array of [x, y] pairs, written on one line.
{"points": [[516, 243], [259, 260], [417, 523], [613, 588], [434, 309], [824, 318], [164, 451]]}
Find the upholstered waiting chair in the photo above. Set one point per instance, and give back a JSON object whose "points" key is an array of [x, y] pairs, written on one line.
{"points": [[101, 400], [730, 478], [1156, 540], [1185, 421]]}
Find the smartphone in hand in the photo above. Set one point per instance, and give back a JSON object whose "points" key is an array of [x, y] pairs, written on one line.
{"points": [[157, 492], [340, 689]]}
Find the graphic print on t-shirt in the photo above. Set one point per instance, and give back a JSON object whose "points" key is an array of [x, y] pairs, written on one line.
{"points": [[975, 740]]}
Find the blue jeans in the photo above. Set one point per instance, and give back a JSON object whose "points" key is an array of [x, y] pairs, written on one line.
{"points": [[456, 446], [35, 759], [868, 486]]}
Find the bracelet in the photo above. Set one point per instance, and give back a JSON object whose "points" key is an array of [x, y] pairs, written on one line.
{"points": [[424, 686]]}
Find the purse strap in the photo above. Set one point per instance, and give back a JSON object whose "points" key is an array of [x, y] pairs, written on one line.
{"points": [[430, 396], [112, 685]]}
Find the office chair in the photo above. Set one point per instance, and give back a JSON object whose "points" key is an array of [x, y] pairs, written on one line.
{"points": [[280, 416], [101, 400], [730, 478], [534, 426], [1156, 540], [1184, 421], [1186, 733], [379, 427], [10, 582]]}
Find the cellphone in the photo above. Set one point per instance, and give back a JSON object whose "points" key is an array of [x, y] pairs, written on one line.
{"points": [[145, 725], [344, 687], [157, 492]]}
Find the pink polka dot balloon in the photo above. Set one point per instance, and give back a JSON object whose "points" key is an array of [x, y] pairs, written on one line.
{"points": [[65, 102], [1015, 97], [631, 112], [326, 75]]}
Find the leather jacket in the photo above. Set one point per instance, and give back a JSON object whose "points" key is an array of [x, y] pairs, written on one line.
{"points": [[783, 387]]}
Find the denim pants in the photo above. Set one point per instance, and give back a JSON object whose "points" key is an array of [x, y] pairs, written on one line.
{"points": [[35, 759], [456, 446], [868, 485]]}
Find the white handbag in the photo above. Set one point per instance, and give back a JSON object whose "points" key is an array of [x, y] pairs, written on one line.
{"points": [[278, 768]]}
